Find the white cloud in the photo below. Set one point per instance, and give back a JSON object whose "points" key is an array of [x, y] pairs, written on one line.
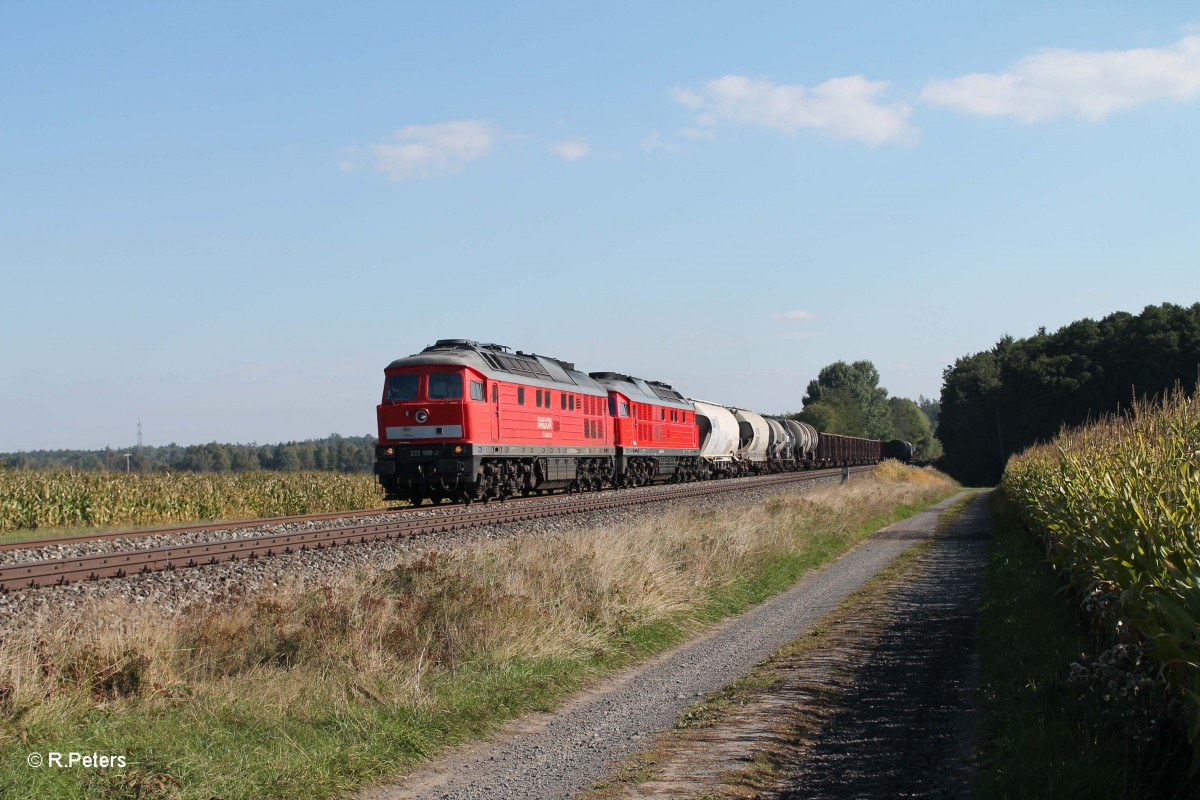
{"points": [[799, 314], [1086, 84], [655, 141], [571, 150], [428, 151], [848, 107]]}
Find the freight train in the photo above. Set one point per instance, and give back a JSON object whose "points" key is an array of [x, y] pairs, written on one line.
{"points": [[468, 421]]}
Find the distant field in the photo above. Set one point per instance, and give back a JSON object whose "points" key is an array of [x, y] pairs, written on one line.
{"points": [[36, 499]]}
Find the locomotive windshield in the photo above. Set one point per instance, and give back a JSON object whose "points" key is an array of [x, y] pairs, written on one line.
{"points": [[445, 386], [400, 388]]}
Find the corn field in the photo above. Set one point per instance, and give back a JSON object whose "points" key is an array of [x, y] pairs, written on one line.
{"points": [[59, 499], [1118, 503]]}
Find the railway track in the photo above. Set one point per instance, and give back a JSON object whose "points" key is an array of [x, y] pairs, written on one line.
{"points": [[59, 571]]}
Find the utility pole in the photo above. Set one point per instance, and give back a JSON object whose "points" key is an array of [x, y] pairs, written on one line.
{"points": [[141, 463]]}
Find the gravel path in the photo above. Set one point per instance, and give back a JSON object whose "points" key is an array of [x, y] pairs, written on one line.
{"points": [[174, 591], [558, 755], [902, 722]]}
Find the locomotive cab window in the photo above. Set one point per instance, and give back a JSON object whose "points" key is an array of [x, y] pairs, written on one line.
{"points": [[495, 393], [520, 395], [401, 388], [445, 386], [624, 408], [477, 392]]}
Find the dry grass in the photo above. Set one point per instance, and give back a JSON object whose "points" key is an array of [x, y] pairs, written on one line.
{"points": [[399, 638], [892, 470]]}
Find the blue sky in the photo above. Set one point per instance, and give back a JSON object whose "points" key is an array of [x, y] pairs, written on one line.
{"points": [[227, 218]]}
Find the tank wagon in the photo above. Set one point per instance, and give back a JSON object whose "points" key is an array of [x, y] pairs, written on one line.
{"points": [[719, 439], [469, 421], [899, 450]]}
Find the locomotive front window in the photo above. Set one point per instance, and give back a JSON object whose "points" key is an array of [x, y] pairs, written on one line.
{"points": [[401, 388], [445, 386]]}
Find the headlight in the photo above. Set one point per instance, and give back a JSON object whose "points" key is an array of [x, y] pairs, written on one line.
{"points": [[458, 448], [422, 415]]}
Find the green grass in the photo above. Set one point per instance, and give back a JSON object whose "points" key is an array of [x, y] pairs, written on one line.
{"points": [[245, 737], [1040, 739]]}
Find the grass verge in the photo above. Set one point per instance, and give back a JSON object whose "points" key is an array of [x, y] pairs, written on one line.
{"points": [[315, 692], [1040, 737]]}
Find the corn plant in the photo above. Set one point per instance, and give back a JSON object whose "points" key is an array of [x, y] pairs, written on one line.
{"points": [[59, 499], [1117, 503]]}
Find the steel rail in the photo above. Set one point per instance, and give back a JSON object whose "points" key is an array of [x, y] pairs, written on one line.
{"points": [[60, 571]]}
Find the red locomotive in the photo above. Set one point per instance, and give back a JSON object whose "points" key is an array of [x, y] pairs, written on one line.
{"points": [[468, 421], [471, 421], [656, 434]]}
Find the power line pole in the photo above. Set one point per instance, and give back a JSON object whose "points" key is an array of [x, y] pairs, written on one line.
{"points": [[141, 463]]}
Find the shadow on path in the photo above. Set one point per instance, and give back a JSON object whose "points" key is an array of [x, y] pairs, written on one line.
{"points": [[900, 722]]}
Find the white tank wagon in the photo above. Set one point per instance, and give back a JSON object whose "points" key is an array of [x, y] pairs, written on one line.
{"points": [[754, 437], [779, 449], [718, 437], [806, 439], [814, 441]]}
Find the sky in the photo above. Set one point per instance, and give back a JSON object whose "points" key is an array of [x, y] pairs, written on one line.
{"points": [[226, 219]]}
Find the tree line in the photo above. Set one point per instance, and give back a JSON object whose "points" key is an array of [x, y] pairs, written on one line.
{"points": [[998, 402], [333, 453], [847, 399]]}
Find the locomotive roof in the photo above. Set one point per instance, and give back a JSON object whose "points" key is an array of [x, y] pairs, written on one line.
{"points": [[498, 363], [641, 390]]}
